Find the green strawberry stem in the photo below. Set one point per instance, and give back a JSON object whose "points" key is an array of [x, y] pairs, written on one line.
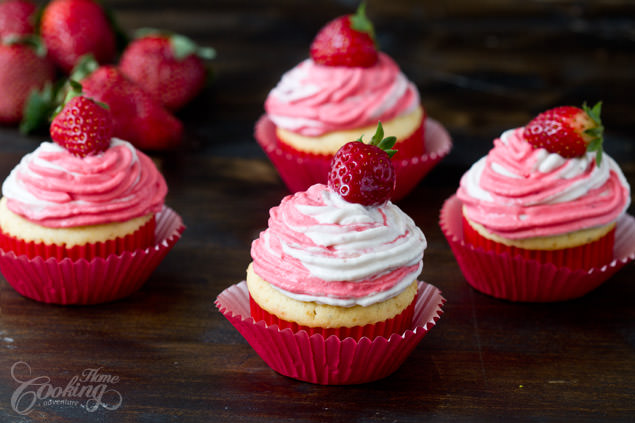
{"points": [[378, 140], [597, 133], [361, 23]]}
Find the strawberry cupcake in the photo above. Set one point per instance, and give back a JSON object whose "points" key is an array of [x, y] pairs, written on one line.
{"points": [[84, 203], [341, 91], [338, 266], [547, 197]]}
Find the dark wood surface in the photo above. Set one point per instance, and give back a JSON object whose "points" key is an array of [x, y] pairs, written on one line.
{"points": [[481, 67]]}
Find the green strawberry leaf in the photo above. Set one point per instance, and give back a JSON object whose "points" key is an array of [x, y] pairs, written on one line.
{"points": [[598, 157], [183, 46], [33, 41], [73, 89], [594, 112], [595, 145], [379, 135], [597, 132], [37, 109], [387, 143], [361, 23], [84, 67]]}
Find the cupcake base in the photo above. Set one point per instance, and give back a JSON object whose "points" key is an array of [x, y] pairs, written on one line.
{"points": [[593, 254], [330, 361], [517, 278], [141, 238], [299, 171], [397, 324], [102, 279]]}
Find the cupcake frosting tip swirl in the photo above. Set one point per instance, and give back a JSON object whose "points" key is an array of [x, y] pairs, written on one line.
{"points": [[54, 188], [319, 247], [518, 191], [313, 99]]}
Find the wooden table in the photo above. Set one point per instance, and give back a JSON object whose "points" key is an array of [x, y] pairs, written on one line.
{"points": [[481, 68]]}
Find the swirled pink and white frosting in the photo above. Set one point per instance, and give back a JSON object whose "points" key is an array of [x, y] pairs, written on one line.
{"points": [[313, 99], [54, 188], [519, 192], [319, 247]]}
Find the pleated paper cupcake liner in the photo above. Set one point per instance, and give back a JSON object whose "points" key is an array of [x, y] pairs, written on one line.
{"points": [[92, 281], [398, 324], [330, 361], [141, 238], [517, 278], [587, 256], [301, 170]]}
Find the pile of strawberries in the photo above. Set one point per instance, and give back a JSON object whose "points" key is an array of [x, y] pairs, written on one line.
{"points": [[154, 76]]}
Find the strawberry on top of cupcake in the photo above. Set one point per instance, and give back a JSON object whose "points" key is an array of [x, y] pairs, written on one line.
{"points": [[548, 186], [342, 90], [340, 255], [85, 186]]}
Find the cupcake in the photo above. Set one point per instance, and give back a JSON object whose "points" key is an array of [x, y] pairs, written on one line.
{"points": [[546, 193], [339, 263], [340, 92], [89, 198]]}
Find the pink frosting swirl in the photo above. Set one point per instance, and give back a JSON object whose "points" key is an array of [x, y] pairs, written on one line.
{"points": [[313, 99], [318, 247], [518, 192], [57, 189]]}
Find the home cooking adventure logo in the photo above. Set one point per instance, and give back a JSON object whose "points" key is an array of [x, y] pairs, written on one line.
{"points": [[90, 390]]}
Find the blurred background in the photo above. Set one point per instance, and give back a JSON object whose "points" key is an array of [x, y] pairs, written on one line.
{"points": [[481, 67]]}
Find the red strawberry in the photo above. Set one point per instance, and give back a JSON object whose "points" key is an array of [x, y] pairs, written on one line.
{"points": [[167, 66], [16, 18], [137, 116], [568, 131], [346, 41], [83, 126], [23, 68], [72, 28], [363, 173]]}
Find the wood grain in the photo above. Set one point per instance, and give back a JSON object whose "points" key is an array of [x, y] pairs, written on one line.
{"points": [[481, 67]]}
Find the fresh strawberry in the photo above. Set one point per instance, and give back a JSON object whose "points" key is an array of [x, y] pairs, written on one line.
{"points": [[72, 28], [137, 116], [363, 173], [23, 68], [16, 18], [568, 131], [83, 126], [346, 41], [170, 67]]}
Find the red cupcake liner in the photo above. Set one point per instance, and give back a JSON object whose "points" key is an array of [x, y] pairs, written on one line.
{"points": [[330, 361], [141, 238], [300, 170], [99, 280], [517, 278], [594, 254], [397, 324]]}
